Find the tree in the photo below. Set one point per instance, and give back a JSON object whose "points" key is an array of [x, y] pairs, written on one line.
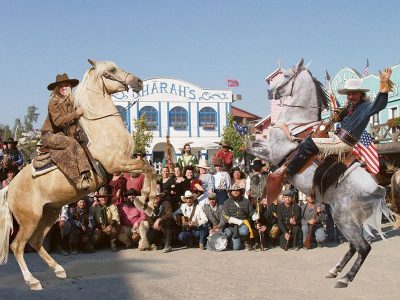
{"points": [[232, 137], [142, 136], [5, 132], [30, 118], [17, 129]]}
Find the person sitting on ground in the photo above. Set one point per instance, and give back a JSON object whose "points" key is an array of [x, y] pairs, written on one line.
{"points": [[268, 224], [214, 214], [289, 214], [222, 182], [226, 156], [79, 236], [161, 223], [132, 219], [237, 212], [60, 130], [312, 217], [104, 221], [187, 158], [207, 181], [192, 221]]}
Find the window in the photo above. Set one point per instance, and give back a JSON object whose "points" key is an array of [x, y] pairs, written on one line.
{"points": [[124, 114], [150, 115], [393, 114], [178, 117], [208, 118], [375, 119]]}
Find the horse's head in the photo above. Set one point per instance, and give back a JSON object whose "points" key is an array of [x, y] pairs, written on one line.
{"points": [[283, 84], [115, 79]]}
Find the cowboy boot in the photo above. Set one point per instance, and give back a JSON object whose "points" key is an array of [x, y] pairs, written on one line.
{"points": [[168, 241], [143, 242], [306, 149]]}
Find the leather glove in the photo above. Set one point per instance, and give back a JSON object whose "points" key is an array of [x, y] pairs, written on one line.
{"points": [[386, 85]]}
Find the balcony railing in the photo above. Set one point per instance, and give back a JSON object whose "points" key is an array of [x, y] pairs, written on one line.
{"points": [[384, 133]]}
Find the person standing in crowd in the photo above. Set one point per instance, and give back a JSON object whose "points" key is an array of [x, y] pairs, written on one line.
{"points": [[312, 217], [131, 220], [17, 159], [289, 214], [60, 129], [195, 185], [192, 220], [79, 236], [237, 212], [256, 182], [222, 182], [135, 180], [161, 222], [166, 180], [104, 221], [238, 177], [214, 214], [117, 188], [187, 158], [207, 181], [10, 176], [225, 154], [178, 187]]}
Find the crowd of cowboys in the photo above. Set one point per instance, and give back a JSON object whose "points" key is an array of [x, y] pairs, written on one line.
{"points": [[192, 204]]}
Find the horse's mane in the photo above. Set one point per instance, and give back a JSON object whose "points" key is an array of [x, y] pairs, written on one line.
{"points": [[322, 97]]}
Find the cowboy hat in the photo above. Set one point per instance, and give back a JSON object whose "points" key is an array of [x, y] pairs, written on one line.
{"points": [[203, 164], [218, 162], [289, 193], [188, 194], [236, 187], [242, 174], [131, 192], [10, 140], [352, 85], [225, 145], [212, 195], [60, 78], [139, 152], [257, 164]]}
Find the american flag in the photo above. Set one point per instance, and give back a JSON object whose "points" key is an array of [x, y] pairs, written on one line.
{"points": [[365, 150], [366, 71], [233, 83]]}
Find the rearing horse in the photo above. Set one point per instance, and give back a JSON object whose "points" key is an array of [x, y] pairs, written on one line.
{"points": [[36, 202], [357, 200]]}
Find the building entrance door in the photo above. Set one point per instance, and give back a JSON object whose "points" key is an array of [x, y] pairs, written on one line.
{"points": [[158, 156]]}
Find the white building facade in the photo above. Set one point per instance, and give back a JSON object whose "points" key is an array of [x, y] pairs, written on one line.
{"points": [[180, 110]]}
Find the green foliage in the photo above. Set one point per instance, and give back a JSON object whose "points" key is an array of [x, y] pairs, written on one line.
{"points": [[231, 137], [142, 136], [5, 131], [393, 122]]}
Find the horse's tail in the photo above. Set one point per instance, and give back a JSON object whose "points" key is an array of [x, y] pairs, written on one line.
{"points": [[395, 190], [379, 207], [6, 225]]}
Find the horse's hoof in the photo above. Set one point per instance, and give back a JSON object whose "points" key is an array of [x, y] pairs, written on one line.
{"points": [[61, 274], [35, 286], [341, 284], [330, 275]]}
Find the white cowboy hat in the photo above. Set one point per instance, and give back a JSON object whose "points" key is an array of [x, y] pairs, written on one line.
{"points": [[203, 164], [352, 85], [188, 194]]}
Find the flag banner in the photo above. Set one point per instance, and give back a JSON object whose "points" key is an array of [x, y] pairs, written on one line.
{"points": [[241, 129], [365, 150], [233, 83], [366, 70]]}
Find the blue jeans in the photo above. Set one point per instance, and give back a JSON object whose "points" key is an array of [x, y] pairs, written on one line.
{"points": [[237, 243], [200, 233], [222, 195]]}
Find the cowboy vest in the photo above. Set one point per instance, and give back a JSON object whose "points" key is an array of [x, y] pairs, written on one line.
{"points": [[257, 185]]}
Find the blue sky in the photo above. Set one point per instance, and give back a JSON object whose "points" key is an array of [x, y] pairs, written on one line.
{"points": [[203, 42]]}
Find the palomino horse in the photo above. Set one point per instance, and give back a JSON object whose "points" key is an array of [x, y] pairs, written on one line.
{"points": [[357, 200], [36, 202], [395, 191]]}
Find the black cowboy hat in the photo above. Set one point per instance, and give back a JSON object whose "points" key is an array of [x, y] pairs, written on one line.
{"points": [[242, 174], [131, 192], [139, 152], [289, 193], [62, 78], [10, 140], [258, 164]]}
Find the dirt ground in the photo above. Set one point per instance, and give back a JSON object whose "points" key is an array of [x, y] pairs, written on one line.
{"points": [[196, 274]]}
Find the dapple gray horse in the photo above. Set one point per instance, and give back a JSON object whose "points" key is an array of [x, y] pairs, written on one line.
{"points": [[357, 200]]}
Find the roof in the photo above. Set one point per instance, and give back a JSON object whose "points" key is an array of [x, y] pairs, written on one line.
{"points": [[273, 74], [237, 112], [262, 121]]}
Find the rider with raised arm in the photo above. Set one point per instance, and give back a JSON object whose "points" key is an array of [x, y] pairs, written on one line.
{"points": [[359, 111], [59, 131]]}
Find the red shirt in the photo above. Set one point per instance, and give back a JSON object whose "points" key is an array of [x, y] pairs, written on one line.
{"points": [[226, 156], [135, 183]]}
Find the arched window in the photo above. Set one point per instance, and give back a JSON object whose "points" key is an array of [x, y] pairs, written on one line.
{"points": [[124, 114], [208, 118], [150, 115], [178, 117]]}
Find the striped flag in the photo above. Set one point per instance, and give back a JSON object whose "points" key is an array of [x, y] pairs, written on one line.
{"points": [[233, 83], [365, 150], [366, 70]]}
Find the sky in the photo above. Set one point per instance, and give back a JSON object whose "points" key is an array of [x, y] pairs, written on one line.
{"points": [[202, 42]]}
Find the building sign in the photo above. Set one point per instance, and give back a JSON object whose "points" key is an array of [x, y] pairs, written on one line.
{"points": [[166, 89]]}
